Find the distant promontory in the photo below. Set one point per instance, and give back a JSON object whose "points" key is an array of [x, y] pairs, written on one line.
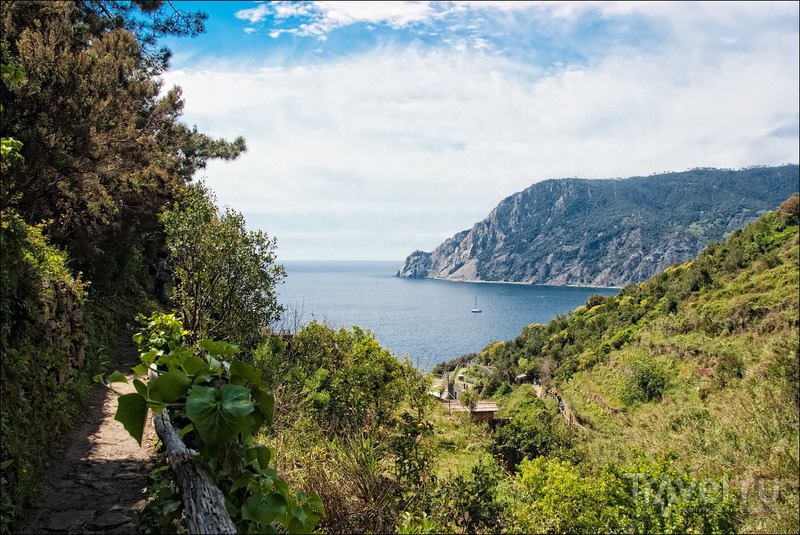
{"points": [[605, 232]]}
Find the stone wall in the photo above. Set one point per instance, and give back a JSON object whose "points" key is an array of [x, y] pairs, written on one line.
{"points": [[62, 327]]}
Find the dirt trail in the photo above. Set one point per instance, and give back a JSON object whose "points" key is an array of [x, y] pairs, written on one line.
{"points": [[96, 485]]}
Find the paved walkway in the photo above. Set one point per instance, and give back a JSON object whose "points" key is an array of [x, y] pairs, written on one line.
{"points": [[96, 485]]}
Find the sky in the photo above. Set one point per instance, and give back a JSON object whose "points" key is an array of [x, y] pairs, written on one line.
{"points": [[378, 128]]}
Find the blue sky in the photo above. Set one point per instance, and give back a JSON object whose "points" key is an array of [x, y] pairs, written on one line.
{"points": [[378, 128]]}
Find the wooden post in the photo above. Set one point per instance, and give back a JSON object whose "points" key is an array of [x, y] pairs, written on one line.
{"points": [[203, 502]]}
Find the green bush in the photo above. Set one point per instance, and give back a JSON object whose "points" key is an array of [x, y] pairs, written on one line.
{"points": [[225, 275], [537, 430], [646, 380], [472, 503], [650, 495], [344, 378], [551, 496]]}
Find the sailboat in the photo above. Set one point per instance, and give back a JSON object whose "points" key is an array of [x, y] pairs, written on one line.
{"points": [[476, 309]]}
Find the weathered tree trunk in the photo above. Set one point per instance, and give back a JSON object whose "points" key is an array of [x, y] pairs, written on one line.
{"points": [[203, 502]]}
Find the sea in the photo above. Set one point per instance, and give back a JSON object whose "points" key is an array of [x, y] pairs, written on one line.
{"points": [[430, 321]]}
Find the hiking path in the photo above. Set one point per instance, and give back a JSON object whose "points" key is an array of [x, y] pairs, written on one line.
{"points": [[96, 485]]}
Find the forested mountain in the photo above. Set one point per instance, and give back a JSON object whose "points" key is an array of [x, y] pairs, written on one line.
{"points": [[605, 232]]}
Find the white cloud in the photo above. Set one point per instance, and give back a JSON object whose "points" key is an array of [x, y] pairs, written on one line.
{"points": [[255, 14], [395, 14], [319, 18], [322, 17], [376, 155]]}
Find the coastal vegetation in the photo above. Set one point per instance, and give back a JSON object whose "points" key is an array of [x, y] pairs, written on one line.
{"points": [[697, 366], [681, 421], [677, 399]]}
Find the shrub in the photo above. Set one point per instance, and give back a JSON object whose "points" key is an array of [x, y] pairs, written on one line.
{"points": [[646, 380], [534, 430], [648, 496], [472, 504], [225, 275]]}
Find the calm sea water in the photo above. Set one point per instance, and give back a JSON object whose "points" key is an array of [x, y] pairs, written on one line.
{"points": [[428, 320]]}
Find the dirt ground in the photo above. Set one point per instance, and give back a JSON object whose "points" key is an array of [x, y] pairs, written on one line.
{"points": [[97, 484]]}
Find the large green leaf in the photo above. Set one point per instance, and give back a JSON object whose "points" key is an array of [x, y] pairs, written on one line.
{"points": [[218, 348], [140, 387], [315, 503], [218, 414], [194, 365], [264, 508], [260, 454], [171, 386], [150, 357], [117, 377], [242, 482], [132, 413], [265, 403], [181, 353], [244, 370]]}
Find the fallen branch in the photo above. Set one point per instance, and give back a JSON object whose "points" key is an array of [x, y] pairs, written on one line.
{"points": [[203, 502]]}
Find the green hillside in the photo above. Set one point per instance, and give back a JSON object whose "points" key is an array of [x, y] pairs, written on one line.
{"points": [[699, 363]]}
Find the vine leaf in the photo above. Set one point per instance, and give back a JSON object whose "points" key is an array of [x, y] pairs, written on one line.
{"points": [[265, 403], [260, 455], [132, 414], [194, 365], [140, 387], [316, 505], [241, 370], [171, 385], [218, 348], [264, 508], [218, 414], [117, 377]]}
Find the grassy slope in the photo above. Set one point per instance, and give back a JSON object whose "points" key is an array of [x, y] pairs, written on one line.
{"points": [[720, 336], [730, 354]]}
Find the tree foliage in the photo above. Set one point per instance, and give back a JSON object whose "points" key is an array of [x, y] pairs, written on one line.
{"points": [[354, 424], [225, 275], [534, 429], [472, 503], [147, 20], [645, 380], [102, 144], [92, 150], [346, 380]]}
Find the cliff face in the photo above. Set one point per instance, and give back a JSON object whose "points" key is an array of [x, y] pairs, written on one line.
{"points": [[605, 232]]}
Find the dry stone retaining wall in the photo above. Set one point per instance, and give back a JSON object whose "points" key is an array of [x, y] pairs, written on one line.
{"points": [[61, 324]]}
